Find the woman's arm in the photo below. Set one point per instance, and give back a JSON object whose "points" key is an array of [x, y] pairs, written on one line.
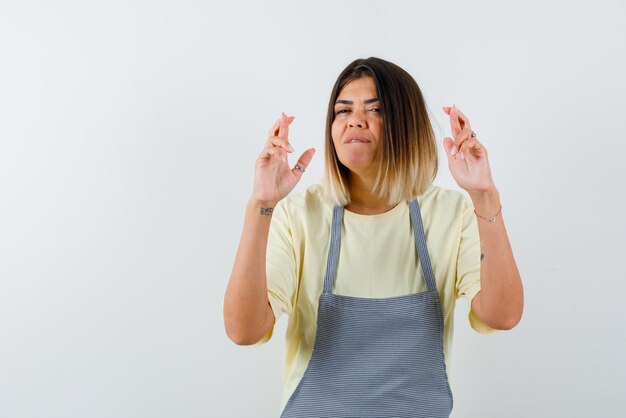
{"points": [[247, 313], [500, 301]]}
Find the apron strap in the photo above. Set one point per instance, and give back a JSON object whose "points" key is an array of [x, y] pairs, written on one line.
{"points": [[420, 243], [333, 251]]}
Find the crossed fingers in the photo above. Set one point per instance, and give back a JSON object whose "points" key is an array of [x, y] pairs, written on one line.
{"points": [[278, 138], [463, 136], [278, 144]]}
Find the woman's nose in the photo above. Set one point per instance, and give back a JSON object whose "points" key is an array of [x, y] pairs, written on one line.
{"points": [[356, 121]]}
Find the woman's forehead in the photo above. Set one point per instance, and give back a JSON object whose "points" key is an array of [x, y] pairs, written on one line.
{"points": [[360, 89]]}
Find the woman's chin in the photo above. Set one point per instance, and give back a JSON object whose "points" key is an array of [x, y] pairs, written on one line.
{"points": [[358, 165]]}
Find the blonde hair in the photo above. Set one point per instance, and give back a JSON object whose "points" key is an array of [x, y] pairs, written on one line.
{"points": [[407, 161]]}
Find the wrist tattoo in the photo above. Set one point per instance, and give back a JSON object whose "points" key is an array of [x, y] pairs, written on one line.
{"points": [[266, 211], [482, 256]]}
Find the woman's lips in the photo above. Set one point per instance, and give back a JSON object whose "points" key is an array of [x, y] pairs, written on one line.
{"points": [[355, 140]]}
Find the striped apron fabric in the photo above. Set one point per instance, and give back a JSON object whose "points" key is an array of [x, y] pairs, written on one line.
{"points": [[376, 357]]}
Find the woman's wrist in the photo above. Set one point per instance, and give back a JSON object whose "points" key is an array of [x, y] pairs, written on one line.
{"points": [[262, 207], [486, 202]]}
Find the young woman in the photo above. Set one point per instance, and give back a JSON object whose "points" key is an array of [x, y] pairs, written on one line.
{"points": [[369, 264]]}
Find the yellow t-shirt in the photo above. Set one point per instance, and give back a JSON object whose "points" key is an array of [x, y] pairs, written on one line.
{"points": [[377, 259]]}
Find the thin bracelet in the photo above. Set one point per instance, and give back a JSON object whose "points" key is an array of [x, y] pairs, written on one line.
{"points": [[492, 219]]}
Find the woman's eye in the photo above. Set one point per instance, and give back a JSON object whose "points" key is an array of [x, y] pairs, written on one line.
{"points": [[343, 111]]}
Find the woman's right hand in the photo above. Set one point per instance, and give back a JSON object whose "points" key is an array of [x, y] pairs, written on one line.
{"points": [[273, 177]]}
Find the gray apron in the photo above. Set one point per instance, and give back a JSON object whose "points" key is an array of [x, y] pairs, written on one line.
{"points": [[376, 357]]}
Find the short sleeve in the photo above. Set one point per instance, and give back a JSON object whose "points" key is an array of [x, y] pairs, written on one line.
{"points": [[280, 266], [468, 265]]}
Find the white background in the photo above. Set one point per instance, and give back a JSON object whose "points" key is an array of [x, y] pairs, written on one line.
{"points": [[128, 134]]}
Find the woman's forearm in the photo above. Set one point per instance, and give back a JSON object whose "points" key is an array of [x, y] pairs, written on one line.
{"points": [[500, 301], [247, 313]]}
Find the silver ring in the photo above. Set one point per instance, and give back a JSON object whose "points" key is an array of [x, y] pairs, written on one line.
{"points": [[473, 134], [300, 169]]}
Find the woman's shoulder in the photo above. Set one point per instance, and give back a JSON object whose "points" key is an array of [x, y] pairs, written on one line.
{"points": [[306, 203], [444, 200]]}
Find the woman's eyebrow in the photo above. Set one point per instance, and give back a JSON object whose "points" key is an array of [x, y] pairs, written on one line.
{"points": [[349, 102]]}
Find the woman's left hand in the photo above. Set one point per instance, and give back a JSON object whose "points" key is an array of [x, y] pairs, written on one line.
{"points": [[467, 158]]}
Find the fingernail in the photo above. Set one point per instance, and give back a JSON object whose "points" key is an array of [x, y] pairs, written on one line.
{"points": [[462, 155], [454, 150], [291, 148]]}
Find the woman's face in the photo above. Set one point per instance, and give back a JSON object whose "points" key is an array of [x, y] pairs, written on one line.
{"points": [[357, 130]]}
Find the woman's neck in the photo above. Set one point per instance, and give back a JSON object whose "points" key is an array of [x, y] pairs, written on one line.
{"points": [[362, 200]]}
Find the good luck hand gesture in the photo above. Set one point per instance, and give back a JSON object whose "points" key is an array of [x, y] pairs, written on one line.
{"points": [[467, 158], [274, 178]]}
